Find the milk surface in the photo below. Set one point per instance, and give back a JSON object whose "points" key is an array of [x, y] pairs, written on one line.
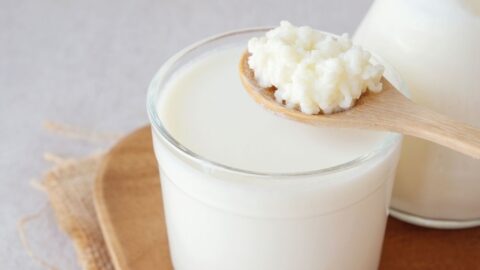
{"points": [[221, 219], [206, 109]]}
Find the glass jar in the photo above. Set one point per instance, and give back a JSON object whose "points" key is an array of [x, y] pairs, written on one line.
{"points": [[219, 217], [435, 45]]}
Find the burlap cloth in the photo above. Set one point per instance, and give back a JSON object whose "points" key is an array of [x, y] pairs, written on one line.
{"points": [[69, 187]]}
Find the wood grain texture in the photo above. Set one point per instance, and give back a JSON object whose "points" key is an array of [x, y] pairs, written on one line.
{"points": [[129, 206], [388, 110]]}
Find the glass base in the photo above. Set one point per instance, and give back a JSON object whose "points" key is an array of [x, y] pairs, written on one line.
{"points": [[434, 223]]}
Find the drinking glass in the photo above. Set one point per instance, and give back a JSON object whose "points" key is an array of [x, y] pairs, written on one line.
{"points": [[225, 218]]}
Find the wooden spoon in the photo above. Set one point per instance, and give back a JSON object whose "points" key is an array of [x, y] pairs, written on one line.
{"points": [[388, 110]]}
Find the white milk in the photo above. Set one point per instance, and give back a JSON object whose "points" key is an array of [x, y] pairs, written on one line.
{"points": [[435, 45], [227, 220]]}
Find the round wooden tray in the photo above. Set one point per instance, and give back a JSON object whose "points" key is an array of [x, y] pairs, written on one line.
{"points": [[129, 206]]}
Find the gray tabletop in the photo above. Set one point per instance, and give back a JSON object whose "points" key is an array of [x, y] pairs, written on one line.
{"points": [[87, 63]]}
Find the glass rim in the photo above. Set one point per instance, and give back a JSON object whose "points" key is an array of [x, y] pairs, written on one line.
{"points": [[158, 127]]}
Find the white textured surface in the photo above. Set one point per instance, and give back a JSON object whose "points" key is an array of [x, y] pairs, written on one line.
{"points": [[88, 63], [313, 71]]}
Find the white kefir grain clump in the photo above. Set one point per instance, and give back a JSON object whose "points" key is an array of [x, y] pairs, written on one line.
{"points": [[312, 71]]}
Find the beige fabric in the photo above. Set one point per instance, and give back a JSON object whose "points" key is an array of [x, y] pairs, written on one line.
{"points": [[69, 185]]}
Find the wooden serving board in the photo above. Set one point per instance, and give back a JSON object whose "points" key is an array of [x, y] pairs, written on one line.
{"points": [[129, 206]]}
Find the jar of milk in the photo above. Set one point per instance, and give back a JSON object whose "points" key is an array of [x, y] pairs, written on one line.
{"points": [[435, 45], [244, 189]]}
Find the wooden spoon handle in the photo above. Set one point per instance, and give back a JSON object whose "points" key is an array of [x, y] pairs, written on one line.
{"points": [[432, 126], [392, 111]]}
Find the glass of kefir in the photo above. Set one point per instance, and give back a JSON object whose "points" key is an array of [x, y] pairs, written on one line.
{"points": [[246, 189], [435, 46]]}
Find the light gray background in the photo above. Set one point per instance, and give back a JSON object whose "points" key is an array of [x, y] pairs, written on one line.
{"points": [[88, 63]]}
